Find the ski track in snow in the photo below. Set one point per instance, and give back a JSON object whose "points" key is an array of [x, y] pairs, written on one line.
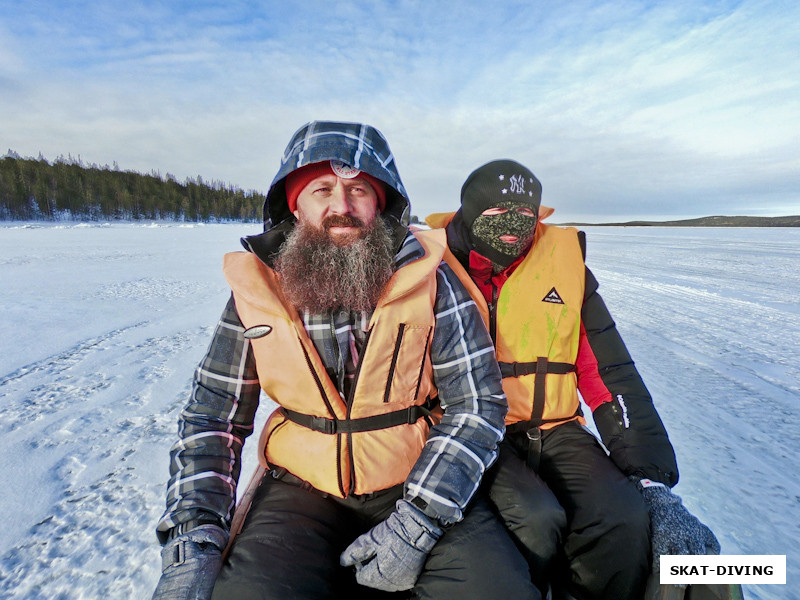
{"points": [[88, 414], [88, 410], [86, 428]]}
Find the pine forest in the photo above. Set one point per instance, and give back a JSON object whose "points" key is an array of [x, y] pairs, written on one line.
{"points": [[67, 189]]}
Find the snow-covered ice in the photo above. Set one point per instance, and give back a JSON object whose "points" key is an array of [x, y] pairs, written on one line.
{"points": [[103, 325]]}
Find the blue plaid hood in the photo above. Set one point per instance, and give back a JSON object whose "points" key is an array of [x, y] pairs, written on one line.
{"points": [[356, 144]]}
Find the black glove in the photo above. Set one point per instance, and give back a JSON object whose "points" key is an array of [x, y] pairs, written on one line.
{"points": [[391, 555], [190, 564], [674, 529]]}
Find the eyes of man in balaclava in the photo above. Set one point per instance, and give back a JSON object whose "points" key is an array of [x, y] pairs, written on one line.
{"points": [[507, 227]]}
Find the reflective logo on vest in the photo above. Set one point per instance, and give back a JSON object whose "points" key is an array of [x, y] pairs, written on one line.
{"points": [[553, 297], [257, 331]]}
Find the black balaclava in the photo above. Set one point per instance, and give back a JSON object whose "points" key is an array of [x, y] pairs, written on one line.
{"points": [[503, 184]]}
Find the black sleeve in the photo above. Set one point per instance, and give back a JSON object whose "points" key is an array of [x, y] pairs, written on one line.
{"points": [[629, 424]]}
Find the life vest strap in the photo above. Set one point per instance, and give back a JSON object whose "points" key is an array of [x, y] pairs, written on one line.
{"points": [[405, 416], [541, 368], [518, 369], [526, 426]]}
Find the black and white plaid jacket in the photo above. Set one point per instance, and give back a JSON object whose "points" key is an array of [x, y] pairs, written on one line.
{"points": [[205, 461]]}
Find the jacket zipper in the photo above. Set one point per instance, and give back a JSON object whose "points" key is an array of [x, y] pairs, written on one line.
{"points": [[339, 362], [493, 315], [393, 365], [350, 398], [422, 366], [324, 396]]}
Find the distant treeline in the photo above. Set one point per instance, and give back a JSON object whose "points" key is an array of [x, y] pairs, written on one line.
{"points": [[67, 189]]}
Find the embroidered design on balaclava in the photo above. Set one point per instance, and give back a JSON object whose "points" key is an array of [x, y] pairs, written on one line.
{"points": [[500, 184]]}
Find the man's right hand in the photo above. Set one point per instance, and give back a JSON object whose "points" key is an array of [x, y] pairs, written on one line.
{"points": [[190, 564]]}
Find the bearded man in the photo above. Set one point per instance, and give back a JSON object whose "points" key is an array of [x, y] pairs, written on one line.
{"points": [[390, 403]]}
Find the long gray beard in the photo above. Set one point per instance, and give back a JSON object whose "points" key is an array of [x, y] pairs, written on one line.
{"points": [[319, 275]]}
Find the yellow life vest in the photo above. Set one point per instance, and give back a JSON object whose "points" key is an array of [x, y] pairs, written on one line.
{"points": [[537, 325], [316, 435]]}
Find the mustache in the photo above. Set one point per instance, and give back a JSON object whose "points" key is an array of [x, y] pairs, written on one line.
{"points": [[341, 221]]}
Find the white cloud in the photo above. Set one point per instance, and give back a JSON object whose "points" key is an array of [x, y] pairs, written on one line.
{"points": [[617, 108]]}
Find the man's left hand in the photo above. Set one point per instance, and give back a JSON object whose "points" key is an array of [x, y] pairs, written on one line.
{"points": [[674, 529], [391, 555]]}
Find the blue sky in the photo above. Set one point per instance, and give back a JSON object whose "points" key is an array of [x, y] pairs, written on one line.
{"points": [[624, 110]]}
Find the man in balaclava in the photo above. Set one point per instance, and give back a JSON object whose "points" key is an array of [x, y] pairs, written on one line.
{"points": [[390, 403], [509, 195], [583, 517]]}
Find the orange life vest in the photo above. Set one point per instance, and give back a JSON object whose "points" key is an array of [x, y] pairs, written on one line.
{"points": [[538, 325], [316, 435]]}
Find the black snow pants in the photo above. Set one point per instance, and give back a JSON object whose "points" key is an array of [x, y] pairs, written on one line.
{"points": [[581, 524], [292, 537]]}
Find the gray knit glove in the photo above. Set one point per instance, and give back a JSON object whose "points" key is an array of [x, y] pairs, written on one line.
{"points": [[190, 564], [674, 529], [391, 555]]}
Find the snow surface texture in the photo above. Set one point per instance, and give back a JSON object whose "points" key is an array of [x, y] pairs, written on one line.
{"points": [[102, 327]]}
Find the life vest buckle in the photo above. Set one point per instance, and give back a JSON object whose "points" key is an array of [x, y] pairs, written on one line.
{"points": [[534, 448], [513, 369], [324, 425], [534, 434]]}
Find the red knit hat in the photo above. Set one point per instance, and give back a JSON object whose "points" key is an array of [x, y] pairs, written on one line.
{"points": [[300, 178]]}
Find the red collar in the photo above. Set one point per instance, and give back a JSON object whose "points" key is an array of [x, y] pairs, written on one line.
{"points": [[480, 269]]}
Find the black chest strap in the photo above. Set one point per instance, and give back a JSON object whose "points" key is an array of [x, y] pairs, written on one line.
{"points": [[404, 416], [518, 369]]}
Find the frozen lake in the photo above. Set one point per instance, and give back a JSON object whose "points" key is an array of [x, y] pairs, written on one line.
{"points": [[102, 327]]}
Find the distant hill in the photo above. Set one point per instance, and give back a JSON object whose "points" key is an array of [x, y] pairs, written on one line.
{"points": [[715, 221]]}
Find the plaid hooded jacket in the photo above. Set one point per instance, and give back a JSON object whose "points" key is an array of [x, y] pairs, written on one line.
{"points": [[205, 461]]}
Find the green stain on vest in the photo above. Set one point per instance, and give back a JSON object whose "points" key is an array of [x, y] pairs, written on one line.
{"points": [[551, 330]]}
